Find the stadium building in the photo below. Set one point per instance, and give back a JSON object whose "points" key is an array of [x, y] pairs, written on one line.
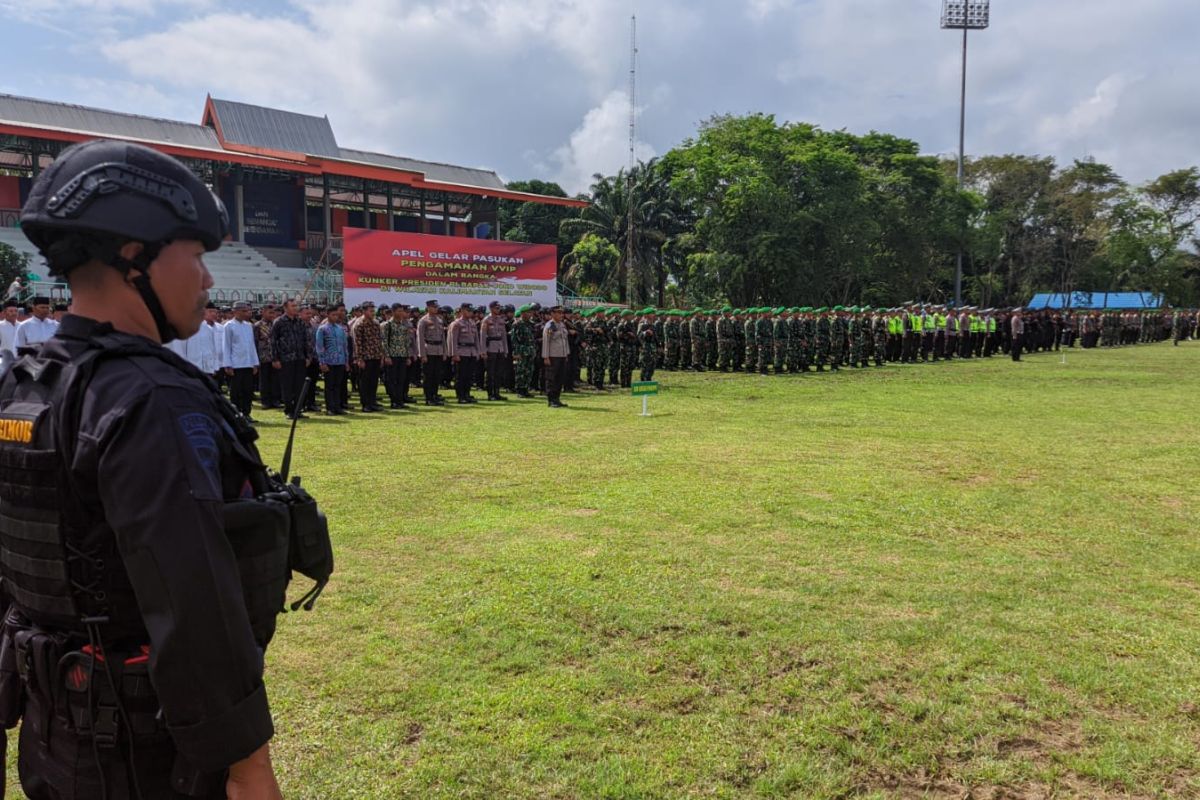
{"points": [[289, 186]]}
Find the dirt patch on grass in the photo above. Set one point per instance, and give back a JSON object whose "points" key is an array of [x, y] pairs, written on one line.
{"points": [[584, 512]]}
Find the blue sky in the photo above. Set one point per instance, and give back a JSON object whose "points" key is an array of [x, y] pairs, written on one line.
{"points": [[537, 88]]}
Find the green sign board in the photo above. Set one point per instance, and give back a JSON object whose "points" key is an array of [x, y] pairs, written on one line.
{"points": [[643, 388]]}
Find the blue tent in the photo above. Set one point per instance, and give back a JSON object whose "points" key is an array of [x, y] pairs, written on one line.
{"points": [[1096, 300]]}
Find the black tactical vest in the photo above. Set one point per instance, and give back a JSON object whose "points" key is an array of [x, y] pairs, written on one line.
{"points": [[59, 560]]}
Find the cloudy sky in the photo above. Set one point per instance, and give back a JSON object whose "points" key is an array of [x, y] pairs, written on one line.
{"points": [[538, 88]]}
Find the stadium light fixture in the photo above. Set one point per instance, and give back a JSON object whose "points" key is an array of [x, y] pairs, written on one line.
{"points": [[964, 15]]}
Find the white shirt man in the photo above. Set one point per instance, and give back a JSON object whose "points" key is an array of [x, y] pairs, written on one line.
{"points": [[39, 327], [204, 348], [8, 327], [238, 349]]}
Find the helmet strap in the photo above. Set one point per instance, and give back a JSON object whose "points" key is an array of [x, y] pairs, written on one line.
{"points": [[141, 282]]}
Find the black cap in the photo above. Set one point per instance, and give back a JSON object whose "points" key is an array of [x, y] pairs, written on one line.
{"points": [[40, 301], [210, 304], [60, 307], [10, 303], [429, 303]]}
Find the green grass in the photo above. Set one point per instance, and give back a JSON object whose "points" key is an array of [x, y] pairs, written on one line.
{"points": [[903, 582]]}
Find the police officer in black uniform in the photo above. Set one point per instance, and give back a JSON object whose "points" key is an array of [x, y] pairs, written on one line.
{"points": [[143, 557]]}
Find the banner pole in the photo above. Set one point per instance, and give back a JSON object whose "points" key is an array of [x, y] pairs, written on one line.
{"points": [[645, 406]]}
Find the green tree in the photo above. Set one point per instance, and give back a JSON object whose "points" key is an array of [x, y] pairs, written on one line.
{"points": [[591, 266], [13, 264]]}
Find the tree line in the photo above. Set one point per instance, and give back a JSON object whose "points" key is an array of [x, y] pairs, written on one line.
{"points": [[751, 211]]}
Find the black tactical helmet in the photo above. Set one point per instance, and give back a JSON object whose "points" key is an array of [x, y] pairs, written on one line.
{"points": [[123, 190]]}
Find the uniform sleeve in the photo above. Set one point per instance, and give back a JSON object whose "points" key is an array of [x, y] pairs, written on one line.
{"points": [[421, 338], [161, 490]]}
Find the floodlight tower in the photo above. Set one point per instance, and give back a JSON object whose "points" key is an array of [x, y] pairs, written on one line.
{"points": [[968, 15]]}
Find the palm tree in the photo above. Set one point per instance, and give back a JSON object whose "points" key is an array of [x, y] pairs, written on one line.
{"points": [[655, 219]]}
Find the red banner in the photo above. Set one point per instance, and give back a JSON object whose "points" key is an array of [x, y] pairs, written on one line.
{"points": [[399, 262]]}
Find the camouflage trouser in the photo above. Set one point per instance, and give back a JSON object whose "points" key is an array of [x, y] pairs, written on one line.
{"points": [[881, 343], [781, 346], [698, 353], [614, 363], [804, 354], [597, 358], [859, 354], [751, 360], [649, 357], [724, 353], [629, 354], [835, 351], [739, 353], [523, 371], [822, 352], [793, 355], [710, 353], [671, 361], [765, 351]]}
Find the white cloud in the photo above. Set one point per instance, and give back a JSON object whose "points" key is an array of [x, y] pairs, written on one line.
{"points": [[1086, 115], [599, 145], [533, 88]]}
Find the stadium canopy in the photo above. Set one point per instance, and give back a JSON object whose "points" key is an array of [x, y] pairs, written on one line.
{"points": [[1096, 300], [283, 175]]}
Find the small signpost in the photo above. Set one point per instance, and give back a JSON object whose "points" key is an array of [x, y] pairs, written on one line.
{"points": [[644, 389]]}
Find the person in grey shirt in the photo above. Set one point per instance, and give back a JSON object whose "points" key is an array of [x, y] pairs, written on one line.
{"points": [[1018, 333], [556, 349]]}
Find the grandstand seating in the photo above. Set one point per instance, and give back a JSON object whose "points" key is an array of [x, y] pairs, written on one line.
{"points": [[239, 272]]}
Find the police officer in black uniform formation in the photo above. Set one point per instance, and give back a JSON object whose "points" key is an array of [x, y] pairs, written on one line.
{"points": [[145, 549]]}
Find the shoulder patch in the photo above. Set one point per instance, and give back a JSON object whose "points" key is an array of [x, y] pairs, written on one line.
{"points": [[200, 431]]}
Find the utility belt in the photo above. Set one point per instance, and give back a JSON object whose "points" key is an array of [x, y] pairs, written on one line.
{"points": [[495, 339], [433, 341], [80, 685], [469, 344]]}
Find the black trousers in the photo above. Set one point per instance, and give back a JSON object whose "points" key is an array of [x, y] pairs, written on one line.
{"points": [[368, 383], [268, 385], [335, 388], [495, 372], [241, 389], [1016, 348], [395, 380], [431, 376], [556, 378], [464, 374], [291, 381]]}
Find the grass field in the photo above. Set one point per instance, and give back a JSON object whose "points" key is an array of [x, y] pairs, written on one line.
{"points": [[895, 583], [907, 582]]}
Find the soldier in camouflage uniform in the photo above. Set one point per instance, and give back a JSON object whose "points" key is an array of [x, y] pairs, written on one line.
{"points": [[824, 332], [614, 348], [725, 339], [628, 347], [710, 339], [647, 335], [795, 333], [696, 334], [524, 351], [749, 333], [685, 341], [671, 341], [862, 338], [879, 330], [660, 338], [595, 335], [763, 336], [739, 340], [779, 339], [837, 337]]}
